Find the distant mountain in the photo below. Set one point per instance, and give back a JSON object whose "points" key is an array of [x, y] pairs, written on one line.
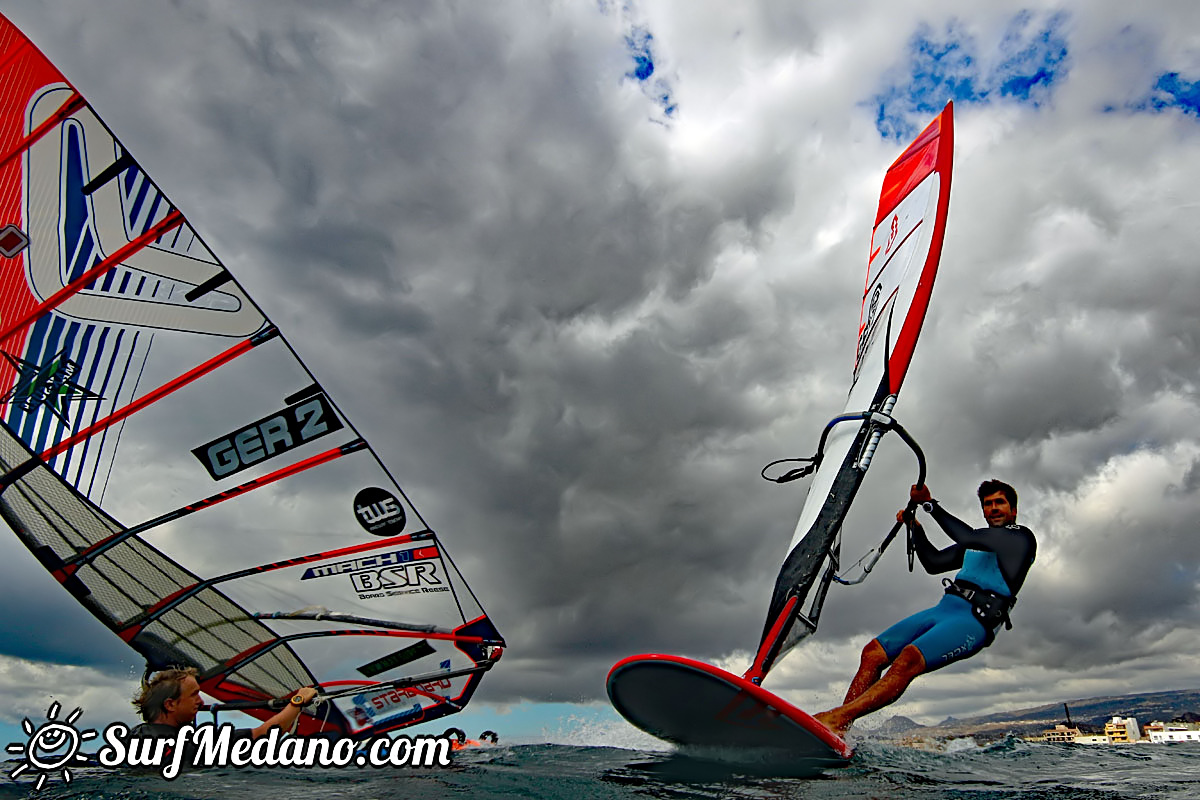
{"points": [[896, 726], [1085, 713]]}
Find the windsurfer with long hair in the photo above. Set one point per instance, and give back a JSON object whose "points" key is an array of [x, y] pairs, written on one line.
{"points": [[992, 563]]}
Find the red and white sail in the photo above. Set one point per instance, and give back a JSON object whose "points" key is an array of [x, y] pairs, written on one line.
{"points": [[906, 246]]}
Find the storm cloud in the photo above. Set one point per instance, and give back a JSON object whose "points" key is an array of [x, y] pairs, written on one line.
{"points": [[578, 270]]}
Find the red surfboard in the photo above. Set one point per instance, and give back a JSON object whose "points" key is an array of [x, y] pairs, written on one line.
{"points": [[699, 706]]}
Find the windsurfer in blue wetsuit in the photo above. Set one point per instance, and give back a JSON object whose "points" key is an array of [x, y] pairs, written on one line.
{"points": [[992, 563]]}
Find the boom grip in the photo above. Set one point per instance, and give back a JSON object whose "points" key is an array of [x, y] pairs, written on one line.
{"points": [[877, 431]]}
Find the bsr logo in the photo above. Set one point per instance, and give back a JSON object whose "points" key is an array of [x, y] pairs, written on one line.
{"points": [[409, 575], [268, 437]]}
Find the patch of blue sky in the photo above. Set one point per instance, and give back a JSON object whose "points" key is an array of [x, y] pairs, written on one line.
{"points": [[640, 44], [641, 47], [1033, 61], [1171, 91], [1031, 58]]}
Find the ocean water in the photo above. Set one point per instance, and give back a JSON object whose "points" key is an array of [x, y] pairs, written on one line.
{"points": [[1009, 769]]}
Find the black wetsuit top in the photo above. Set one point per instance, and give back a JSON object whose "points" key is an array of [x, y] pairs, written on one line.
{"points": [[1013, 546], [992, 564]]}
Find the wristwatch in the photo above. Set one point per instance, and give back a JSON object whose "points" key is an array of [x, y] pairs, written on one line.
{"points": [[297, 700]]}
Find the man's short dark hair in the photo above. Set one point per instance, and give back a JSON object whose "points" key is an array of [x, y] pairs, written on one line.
{"points": [[165, 685], [992, 486]]}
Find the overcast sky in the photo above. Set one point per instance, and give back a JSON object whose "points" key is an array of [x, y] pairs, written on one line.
{"points": [[579, 269]]}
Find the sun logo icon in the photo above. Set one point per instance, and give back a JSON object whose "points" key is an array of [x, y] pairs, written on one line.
{"points": [[52, 747]]}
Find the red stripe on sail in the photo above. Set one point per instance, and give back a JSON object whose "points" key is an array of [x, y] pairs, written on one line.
{"points": [[906, 340], [170, 222]]}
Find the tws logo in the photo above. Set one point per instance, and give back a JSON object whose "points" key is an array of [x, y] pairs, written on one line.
{"points": [[379, 512]]}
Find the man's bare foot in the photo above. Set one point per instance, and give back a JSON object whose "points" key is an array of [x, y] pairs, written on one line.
{"points": [[834, 722]]}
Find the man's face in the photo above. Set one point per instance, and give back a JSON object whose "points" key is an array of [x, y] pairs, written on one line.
{"points": [[997, 511], [183, 709]]}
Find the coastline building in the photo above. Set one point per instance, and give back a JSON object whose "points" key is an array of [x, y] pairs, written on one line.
{"points": [[1061, 734], [1122, 730], [1162, 732], [1092, 738]]}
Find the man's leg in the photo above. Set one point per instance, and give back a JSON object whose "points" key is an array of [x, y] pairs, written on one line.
{"points": [[870, 668], [885, 691]]}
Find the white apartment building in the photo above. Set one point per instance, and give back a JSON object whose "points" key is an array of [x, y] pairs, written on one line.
{"points": [[1161, 732]]}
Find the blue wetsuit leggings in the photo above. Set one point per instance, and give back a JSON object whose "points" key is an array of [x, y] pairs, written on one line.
{"points": [[946, 633]]}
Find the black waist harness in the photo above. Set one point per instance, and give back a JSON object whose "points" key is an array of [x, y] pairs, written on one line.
{"points": [[989, 607]]}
